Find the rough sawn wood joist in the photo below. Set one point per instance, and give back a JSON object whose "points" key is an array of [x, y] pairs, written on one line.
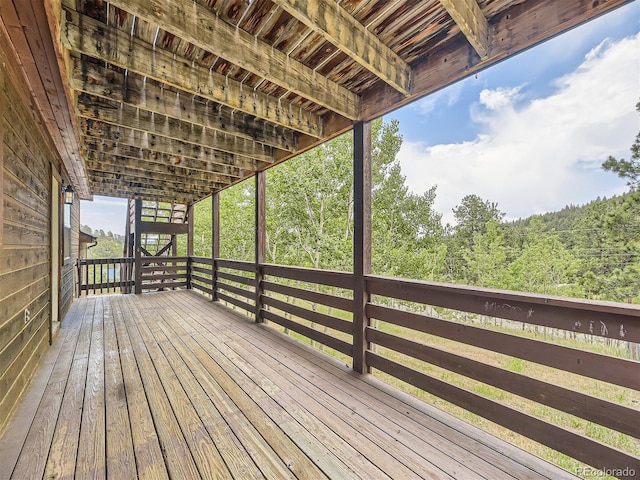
{"points": [[174, 99]]}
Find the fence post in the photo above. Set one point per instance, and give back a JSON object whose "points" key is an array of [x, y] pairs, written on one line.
{"points": [[138, 247], [79, 270], [190, 227], [361, 240], [261, 239], [215, 242]]}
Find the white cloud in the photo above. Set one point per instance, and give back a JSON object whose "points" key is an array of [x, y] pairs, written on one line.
{"points": [[104, 213], [499, 98], [542, 155]]}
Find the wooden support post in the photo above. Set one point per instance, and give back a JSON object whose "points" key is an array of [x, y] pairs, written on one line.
{"points": [[261, 239], [2, 110], [190, 227], [361, 240], [174, 245], [125, 268], [215, 242], [137, 246]]}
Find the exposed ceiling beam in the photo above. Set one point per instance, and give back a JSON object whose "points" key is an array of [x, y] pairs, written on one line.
{"points": [[112, 85], [83, 34], [472, 23], [95, 150], [200, 26], [155, 166], [335, 24], [139, 119], [148, 184], [149, 145], [143, 172], [120, 191], [130, 167]]}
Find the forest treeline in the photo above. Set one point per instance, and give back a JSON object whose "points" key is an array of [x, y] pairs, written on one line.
{"points": [[108, 244], [589, 251]]}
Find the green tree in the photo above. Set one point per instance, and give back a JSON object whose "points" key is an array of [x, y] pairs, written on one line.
{"points": [[628, 169], [308, 208], [610, 249], [471, 216], [237, 231], [544, 266], [237, 221], [621, 222], [107, 246], [487, 258], [405, 227]]}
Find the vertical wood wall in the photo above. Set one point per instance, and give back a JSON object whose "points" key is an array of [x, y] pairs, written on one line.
{"points": [[26, 154]]}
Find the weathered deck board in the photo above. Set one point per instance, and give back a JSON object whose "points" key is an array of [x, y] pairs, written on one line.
{"points": [[171, 385], [147, 451], [36, 422], [120, 454]]}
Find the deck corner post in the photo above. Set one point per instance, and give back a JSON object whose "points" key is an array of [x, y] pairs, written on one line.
{"points": [[362, 241], [261, 239], [215, 243], [137, 246], [190, 235], [125, 268]]}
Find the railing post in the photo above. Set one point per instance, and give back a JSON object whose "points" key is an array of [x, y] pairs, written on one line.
{"points": [[190, 227], [138, 247], [261, 239], [79, 269], [361, 240], [215, 242]]}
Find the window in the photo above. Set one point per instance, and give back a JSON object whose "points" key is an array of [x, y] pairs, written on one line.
{"points": [[66, 239]]}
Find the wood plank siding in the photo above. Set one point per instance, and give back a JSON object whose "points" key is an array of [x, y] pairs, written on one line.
{"points": [[168, 384], [26, 156]]}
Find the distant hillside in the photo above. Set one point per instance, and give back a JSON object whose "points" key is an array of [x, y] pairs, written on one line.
{"points": [[568, 223], [109, 245]]}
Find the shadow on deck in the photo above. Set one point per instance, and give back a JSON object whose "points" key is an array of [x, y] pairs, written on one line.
{"points": [[171, 385]]}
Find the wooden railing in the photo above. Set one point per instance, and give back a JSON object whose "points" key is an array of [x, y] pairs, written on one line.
{"points": [[161, 273], [316, 304], [201, 275], [547, 351], [104, 275], [236, 283], [433, 336], [429, 339], [117, 275]]}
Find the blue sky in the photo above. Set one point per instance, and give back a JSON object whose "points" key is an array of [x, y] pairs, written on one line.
{"points": [[529, 133]]}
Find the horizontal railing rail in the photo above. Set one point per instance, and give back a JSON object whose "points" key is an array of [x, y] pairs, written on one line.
{"points": [[315, 304], [235, 284], [162, 273], [472, 347], [406, 342], [201, 275]]}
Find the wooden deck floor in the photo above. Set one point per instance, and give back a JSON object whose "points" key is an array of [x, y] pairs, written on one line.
{"points": [[171, 385]]}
